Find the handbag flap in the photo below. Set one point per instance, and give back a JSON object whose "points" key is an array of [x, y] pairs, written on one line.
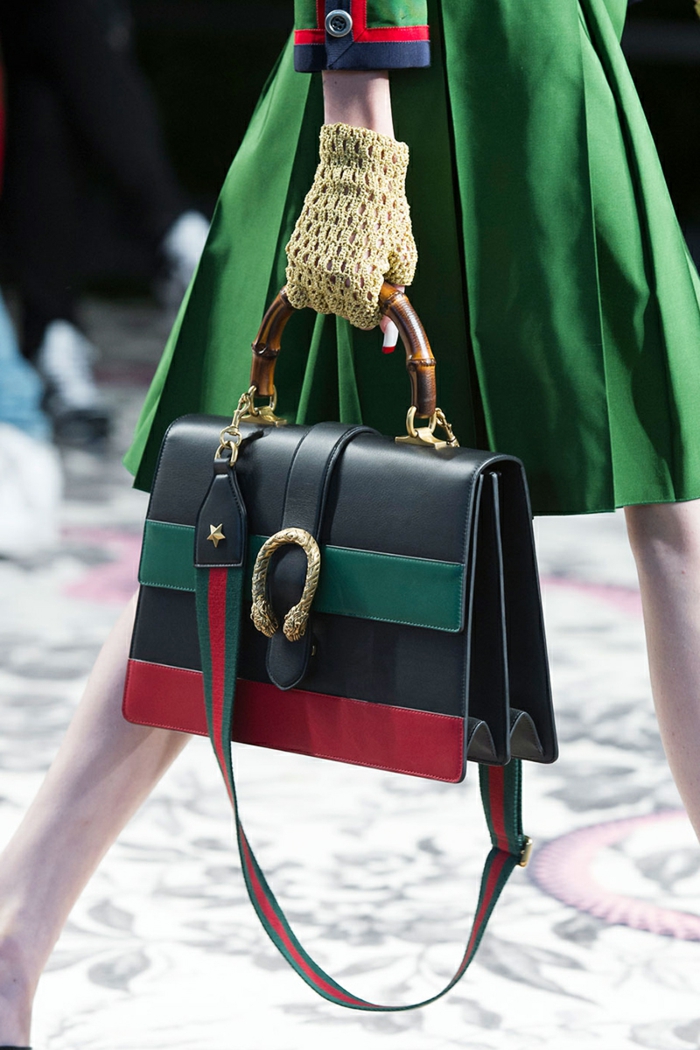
{"points": [[374, 566]]}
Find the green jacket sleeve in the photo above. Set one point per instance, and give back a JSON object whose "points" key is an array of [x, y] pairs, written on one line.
{"points": [[361, 34]]}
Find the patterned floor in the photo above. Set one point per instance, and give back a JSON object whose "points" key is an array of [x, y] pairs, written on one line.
{"points": [[594, 947]]}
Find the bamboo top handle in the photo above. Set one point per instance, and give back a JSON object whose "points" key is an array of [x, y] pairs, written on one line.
{"points": [[394, 304]]}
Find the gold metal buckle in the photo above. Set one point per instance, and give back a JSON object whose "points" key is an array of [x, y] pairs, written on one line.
{"points": [[525, 853], [426, 435], [296, 620]]}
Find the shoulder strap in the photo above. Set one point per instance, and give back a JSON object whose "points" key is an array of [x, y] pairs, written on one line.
{"points": [[219, 609]]}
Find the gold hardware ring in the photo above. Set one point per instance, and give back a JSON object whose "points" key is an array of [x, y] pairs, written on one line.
{"points": [[296, 620]]}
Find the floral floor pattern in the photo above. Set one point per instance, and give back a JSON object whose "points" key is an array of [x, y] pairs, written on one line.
{"points": [[594, 946]]}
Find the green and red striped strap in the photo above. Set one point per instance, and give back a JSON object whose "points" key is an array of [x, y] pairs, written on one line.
{"points": [[219, 606]]}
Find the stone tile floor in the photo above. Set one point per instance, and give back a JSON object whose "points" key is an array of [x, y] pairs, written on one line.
{"points": [[594, 947]]}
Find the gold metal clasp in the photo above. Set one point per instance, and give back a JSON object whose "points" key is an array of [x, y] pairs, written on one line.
{"points": [[426, 435], [296, 620], [264, 416], [247, 412], [525, 853], [230, 437]]}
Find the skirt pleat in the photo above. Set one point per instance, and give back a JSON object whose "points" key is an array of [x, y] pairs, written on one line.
{"points": [[553, 279]]}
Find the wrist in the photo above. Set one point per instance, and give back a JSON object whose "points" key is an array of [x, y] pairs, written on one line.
{"points": [[350, 149], [359, 98]]}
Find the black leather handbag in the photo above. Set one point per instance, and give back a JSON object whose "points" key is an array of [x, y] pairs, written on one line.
{"points": [[331, 591]]}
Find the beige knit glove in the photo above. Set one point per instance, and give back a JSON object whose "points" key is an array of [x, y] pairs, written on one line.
{"points": [[354, 231]]}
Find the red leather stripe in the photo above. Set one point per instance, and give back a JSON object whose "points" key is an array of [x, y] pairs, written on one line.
{"points": [[275, 923], [347, 730], [320, 14], [167, 697], [397, 739]]}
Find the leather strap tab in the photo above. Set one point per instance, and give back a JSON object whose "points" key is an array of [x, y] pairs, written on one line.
{"points": [[221, 531], [308, 485]]}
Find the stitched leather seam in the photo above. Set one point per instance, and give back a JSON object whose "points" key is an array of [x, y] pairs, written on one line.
{"points": [[169, 525]]}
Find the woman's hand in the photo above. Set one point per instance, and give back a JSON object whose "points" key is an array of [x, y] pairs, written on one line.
{"points": [[354, 231]]}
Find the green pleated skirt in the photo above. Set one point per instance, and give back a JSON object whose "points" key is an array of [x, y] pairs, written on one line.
{"points": [[553, 279]]}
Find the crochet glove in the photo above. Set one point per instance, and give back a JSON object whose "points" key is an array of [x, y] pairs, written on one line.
{"points": [[354, 231]]}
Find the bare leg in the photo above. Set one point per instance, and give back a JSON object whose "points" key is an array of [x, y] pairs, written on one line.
{"points": [[665, 540], [103, 771]]}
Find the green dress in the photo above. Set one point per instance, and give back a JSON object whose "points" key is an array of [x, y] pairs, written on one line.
{"points": [[553, 279]]}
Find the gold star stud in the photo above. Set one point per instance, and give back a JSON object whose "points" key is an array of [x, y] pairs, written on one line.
{"points": [[216, 535]]}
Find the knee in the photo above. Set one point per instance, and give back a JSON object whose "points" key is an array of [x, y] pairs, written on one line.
{"points": [[664, 535]]}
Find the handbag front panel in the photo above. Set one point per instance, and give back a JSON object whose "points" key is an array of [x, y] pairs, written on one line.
{"points": [[387, 685]]}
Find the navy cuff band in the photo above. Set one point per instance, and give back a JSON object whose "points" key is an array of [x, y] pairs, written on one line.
{"points": [[413, 54]]}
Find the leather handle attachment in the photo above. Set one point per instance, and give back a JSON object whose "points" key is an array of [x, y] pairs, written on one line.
{"points": [[394, 304]]}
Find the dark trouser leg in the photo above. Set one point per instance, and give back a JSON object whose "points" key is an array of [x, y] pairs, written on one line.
{"points": [[111, 109], [41, 206]]}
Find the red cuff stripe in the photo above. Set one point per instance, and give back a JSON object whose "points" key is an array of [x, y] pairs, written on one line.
{"points": [[362, 33], [386, 35], [380, 35], [309, 36]]}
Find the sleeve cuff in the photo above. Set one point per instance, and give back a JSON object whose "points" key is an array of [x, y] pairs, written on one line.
{"points": [[361, 47]]}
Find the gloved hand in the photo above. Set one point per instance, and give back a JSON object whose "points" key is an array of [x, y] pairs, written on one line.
{"points": [[354, 231]]}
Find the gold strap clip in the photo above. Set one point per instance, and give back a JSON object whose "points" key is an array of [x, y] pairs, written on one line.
{"points": [[231, 438], [426, 435], [526, 853], [264, 416]]}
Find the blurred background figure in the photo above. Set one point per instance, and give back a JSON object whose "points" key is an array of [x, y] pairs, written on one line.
{"points": [[30, 469], [77, 102]]}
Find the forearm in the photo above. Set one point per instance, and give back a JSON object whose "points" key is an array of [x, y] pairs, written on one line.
{"points": [[361, 99]]}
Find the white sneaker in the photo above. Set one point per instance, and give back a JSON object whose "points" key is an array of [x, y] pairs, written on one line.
{"points": [[75, 404], [181, 247], [31, 483]]}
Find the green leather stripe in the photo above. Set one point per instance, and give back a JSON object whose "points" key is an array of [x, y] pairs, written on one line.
{"points": [[372, 586]]}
